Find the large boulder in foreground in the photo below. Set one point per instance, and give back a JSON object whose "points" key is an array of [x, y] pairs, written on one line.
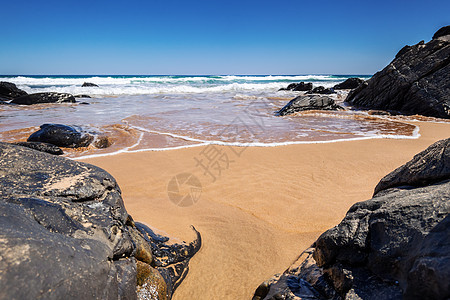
{"points": [[50, 97], [65, 234], [310, 102], [394, 246], [62, 136], [9, 91], [417, 81]]}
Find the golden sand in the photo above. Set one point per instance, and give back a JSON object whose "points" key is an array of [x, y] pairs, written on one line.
{"points": [[264, 210]]}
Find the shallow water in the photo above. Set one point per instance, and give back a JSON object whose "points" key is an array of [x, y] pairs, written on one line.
{"points": [[167, 112]]}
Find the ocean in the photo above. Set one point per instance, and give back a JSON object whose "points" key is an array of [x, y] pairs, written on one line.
{"points": [[155, 113]]}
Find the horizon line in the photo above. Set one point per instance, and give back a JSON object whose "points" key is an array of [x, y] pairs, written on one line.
{"points": [[306, 74]]}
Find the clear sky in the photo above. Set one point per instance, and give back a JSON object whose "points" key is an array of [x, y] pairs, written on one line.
{"points": [[211, 37]]}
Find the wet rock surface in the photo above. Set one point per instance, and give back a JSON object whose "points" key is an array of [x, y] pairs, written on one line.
{"points": [[66, 235], [9, 91], [89, 84], [417, 81], [394, 246], [62, 136], [309, 102], [321, 90], [301, 87], [49, 97], [43, 147]]}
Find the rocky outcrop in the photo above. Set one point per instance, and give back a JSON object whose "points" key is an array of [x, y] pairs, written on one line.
{"points": [[44, 98], [394, 246], [313, 102], [301, 87], [417, 81], [442, 34], [89, 84], [66, 235], [417, 173], [82, 96], [9, 91], [62, 136], [350, 83], [321, 90], [43, 147]]}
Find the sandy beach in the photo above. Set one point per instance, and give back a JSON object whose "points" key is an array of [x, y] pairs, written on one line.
{"points": [[263, 210]]}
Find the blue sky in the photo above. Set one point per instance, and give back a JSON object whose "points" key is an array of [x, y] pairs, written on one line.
{"points": [[211, 37]]}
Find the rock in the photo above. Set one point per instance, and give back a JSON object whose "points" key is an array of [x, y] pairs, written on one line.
{"points": [[43, 147], [443, 33], [313, 102], [102, 142], [394, 246], [321, 90], [89, 84], [302, 86], [62, 136], [417, 81], [350, 83], [9, 91], [66, 234], [82, 96], [417, 173], [150, 277], [44, 98], [172, 262]]}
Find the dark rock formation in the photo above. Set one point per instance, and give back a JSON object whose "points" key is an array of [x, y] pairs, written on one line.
{"points": [[89, 84], [313, 102], [9, 91], [350, 83], [417, 81], [442, 33], [394, 246], [44, 98], [62, 136], [321, 90], [417, 173], [43, 147], [82, 96], [102, 142], [301, 87], [65, 234]]}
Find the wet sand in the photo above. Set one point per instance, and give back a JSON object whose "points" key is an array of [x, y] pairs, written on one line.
{"points": [[264, 210]]}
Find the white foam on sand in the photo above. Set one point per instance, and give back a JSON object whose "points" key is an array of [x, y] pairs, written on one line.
{"points": [[415, 135]]}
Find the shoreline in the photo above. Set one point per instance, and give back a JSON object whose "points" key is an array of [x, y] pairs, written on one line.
{"points": [[265, 209]]}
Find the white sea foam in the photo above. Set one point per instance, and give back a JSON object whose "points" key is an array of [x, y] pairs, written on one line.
{"points": [[201, 142], [137, 85], [415, 135]]}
